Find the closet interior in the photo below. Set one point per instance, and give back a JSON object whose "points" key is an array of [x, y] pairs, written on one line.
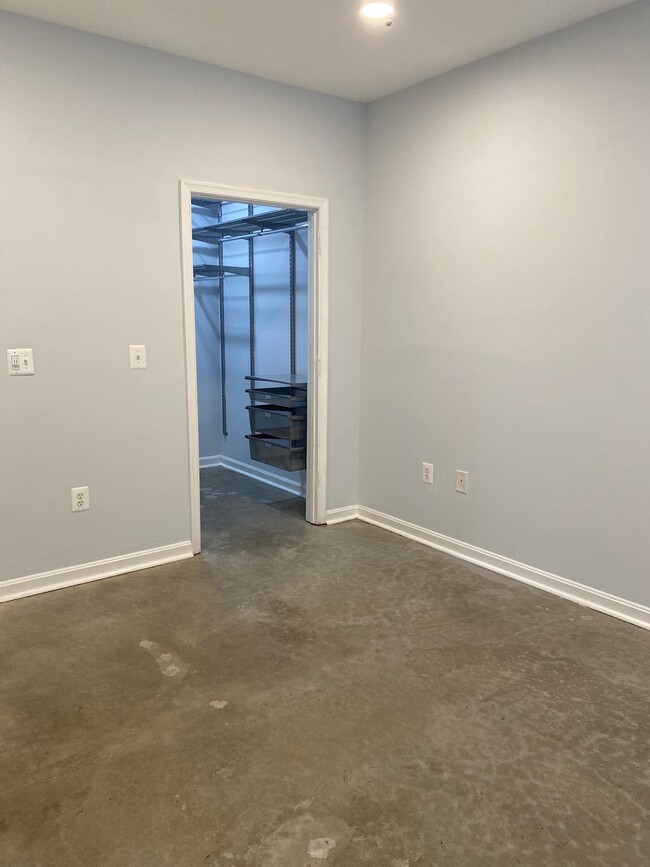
{"points": [[251, 275]]}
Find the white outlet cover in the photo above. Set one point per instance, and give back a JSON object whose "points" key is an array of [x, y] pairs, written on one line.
{"points": [[462, 481], [427, 473], [80, 499]]}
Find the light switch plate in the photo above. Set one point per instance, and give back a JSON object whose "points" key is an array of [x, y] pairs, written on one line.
{"points": [[20, 362], [137, 356]]}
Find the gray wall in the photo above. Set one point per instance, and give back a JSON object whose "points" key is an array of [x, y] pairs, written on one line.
{"points": [[208, 356], [95, 135], [507, 303]]}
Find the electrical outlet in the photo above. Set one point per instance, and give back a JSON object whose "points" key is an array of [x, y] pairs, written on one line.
{"points": [[80, 499], [462, 481], [427, 474]]}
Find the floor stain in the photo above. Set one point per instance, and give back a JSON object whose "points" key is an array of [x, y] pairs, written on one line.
{"points": [[169, 664], [320, 847], [302, 842]]}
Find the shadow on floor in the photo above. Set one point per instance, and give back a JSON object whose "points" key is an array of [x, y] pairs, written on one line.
{"points": [[228, 498]]}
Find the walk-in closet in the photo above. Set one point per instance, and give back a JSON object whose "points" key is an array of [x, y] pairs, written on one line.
{"points": [[251, 276]]}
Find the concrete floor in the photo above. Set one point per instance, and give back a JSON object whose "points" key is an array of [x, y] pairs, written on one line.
{"points": [[306, 696]]}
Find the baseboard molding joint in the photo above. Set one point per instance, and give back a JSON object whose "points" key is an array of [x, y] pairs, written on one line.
{"points": [[210, 461], [344, 513]]}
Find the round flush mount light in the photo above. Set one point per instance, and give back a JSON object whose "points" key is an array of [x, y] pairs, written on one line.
{"points": [[378, 12]]}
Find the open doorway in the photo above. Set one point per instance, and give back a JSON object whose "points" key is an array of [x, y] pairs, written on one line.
{"points": [[254, 285]]}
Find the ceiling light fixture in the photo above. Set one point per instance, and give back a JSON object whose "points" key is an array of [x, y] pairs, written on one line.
{"points": [[379, 12]]}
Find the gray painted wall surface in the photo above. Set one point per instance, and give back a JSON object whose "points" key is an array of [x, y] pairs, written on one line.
{"points": [[95, 135], [507, 303], [207, 330]]}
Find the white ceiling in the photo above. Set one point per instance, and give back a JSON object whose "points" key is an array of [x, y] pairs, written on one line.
{"points": [[321, 44]]}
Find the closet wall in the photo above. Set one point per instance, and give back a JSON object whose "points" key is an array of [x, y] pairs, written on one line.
{"points": [[272, 343], [208, 356]]}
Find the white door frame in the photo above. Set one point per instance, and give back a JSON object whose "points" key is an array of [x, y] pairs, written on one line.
{"points": [[318, 336]]}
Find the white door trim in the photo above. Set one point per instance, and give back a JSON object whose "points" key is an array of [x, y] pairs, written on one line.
{"points": [[318, 337]]}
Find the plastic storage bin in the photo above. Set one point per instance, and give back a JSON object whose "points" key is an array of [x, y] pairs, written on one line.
{"points": [[287, 396], [279, 453], [276, 421]]}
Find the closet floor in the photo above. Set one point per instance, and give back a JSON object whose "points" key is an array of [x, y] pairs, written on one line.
{"points": [[302, 695]]}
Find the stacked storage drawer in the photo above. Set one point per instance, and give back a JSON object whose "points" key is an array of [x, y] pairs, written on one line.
{"points": [[278, 419]]}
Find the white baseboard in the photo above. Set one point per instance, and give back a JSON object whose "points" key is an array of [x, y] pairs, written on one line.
{"points": [[345, 513], [56, 579], [43, 582], [210, 461], [580, 593], [266, 476]]}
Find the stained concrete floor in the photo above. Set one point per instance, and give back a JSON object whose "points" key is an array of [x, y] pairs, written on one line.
{"points": [[306, 696]]}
